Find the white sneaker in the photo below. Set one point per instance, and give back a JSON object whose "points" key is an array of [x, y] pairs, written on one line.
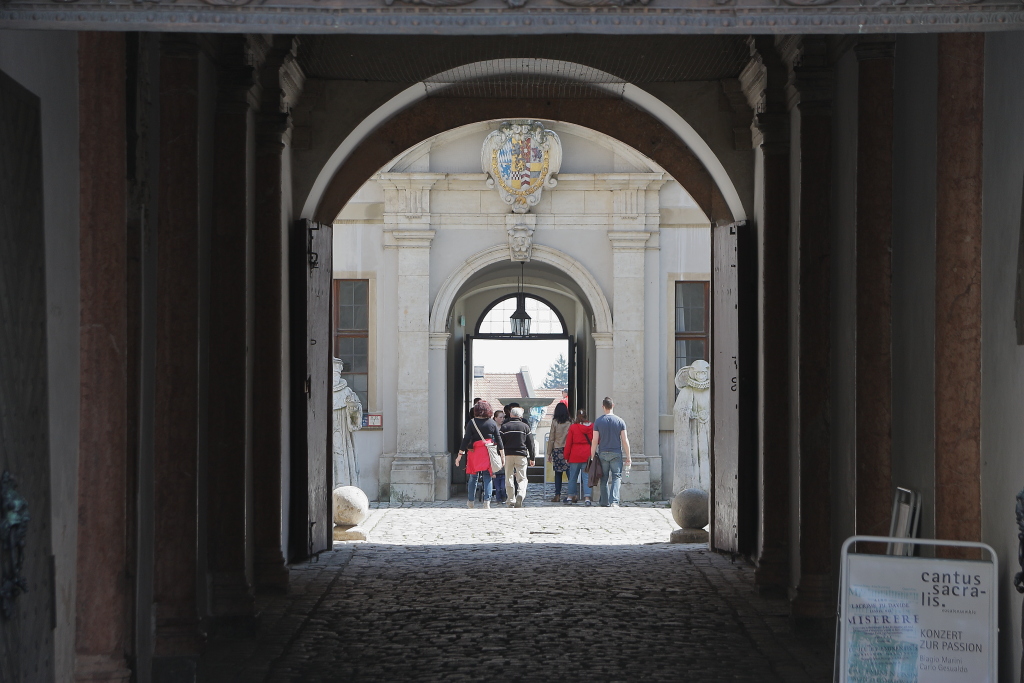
{"points": [[519, 501], [487, 505], [615, 505], [469, 504]]}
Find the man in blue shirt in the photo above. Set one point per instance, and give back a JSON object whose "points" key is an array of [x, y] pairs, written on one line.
{"points": [[612, 446]]}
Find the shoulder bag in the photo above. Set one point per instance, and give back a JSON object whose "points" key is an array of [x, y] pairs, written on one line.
{"points": [[492, 451], [594, 470]]}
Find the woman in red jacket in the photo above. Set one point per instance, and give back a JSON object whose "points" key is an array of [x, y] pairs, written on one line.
{"points": [[577, 453]]}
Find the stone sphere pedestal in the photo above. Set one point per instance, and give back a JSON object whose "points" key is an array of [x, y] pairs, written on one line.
{"points": [[350, 508], [690, 511]]}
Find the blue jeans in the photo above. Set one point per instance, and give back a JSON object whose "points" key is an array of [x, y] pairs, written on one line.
{"points": [[577, 471], [611, 463], [488, 484]]}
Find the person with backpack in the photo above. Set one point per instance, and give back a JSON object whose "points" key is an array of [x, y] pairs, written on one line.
{"points": [[577, 454]]}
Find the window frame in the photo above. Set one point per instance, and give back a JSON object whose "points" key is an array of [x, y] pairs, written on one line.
{"points": [[477, 334], [338, 334], [704, 336]]}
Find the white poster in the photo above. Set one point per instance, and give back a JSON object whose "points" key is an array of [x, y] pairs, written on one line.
{"points": [[917, 620]]}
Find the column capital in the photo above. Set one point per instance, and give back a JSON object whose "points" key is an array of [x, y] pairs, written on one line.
{"points": [[811, 77], [628, 240], [763, 81], [406, 239], [603, 340], [439, 340]]}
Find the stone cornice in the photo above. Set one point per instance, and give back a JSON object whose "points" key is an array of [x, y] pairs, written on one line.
{"points": [[439, 341], [603, 340], [496, 17]]}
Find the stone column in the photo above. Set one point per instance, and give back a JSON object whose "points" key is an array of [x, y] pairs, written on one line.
{"points": [[763, 83], [407, 229], [810, 90], [438, 364], [101, 600], [604, 365], [629, 273], [874, 285], [958, 231], [282, 82], [177, 642], [229, 541]]}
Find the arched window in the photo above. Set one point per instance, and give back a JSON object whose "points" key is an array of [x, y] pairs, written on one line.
{"points": [[545, 320]]}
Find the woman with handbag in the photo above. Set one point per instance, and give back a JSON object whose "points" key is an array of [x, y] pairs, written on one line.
{"points": [[560, 423], [484, 451], [577, 453]]}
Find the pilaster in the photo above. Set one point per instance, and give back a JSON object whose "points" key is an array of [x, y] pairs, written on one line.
{"points": [[629, 273], [281, 82], [407, 229], [764, 80], [177, 639], [810, 89], [874, 284], [102, 600], [229, 539], [958, 242]]}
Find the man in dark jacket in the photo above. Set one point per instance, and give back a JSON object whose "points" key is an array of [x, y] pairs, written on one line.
{"points": [[518, 441]]}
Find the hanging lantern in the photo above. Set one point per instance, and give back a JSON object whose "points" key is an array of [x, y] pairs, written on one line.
{"points": [[520, 320]]}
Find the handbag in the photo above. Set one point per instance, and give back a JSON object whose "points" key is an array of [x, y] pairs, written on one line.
{"points": [[492, 451], [594, 471]]}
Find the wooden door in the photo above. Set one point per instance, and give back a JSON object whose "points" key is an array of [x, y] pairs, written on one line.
{"points": [[310, 531], [26, 630], [733, 388]]}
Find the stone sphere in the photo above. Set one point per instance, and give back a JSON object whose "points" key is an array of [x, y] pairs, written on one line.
{"points": [[351, 506], [690, 509]]}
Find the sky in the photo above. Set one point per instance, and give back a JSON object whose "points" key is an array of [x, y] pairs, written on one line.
{"points": [[503, 355]]}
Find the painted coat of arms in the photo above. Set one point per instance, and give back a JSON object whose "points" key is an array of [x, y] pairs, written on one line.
{"points": [[521, 158]]}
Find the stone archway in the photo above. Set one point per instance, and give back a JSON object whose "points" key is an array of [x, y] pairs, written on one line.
{"points": [[598, 302]]}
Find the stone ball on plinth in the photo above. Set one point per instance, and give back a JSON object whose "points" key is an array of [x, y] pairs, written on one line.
{"points": [[690, 508], [351, 506]]}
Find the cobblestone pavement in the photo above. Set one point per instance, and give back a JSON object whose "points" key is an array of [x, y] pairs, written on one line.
{"points": [[548, 592]]}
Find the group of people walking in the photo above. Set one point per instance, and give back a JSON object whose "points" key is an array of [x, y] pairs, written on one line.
{"points": [[571, 447]]}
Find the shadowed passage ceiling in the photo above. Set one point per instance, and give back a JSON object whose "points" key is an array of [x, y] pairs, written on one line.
{"points": [[569, 66]]}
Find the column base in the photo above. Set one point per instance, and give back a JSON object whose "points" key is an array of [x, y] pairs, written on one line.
{"points": [[814, 602], [231, 595], [270, 571], [638, 486], [101, 669], [771, 577], [442, 476], [412, 478]]}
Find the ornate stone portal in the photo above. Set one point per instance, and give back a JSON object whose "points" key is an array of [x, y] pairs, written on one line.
{"points": [[348, 418], [521, 158], [692, 428]]}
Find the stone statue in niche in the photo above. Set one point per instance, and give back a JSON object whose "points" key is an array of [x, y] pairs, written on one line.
{"points": [[520, 242], [693, 428], [348, 418]]}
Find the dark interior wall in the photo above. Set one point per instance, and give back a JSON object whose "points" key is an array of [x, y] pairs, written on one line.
{"points": [[913, 271], [844, 303], [46, 63], [1002, 361]]}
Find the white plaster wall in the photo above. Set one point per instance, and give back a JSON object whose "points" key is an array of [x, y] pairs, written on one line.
{"points": [[1002, 431], [47, 64]]}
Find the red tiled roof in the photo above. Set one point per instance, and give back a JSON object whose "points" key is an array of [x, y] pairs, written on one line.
{"points": [[495, 385]]}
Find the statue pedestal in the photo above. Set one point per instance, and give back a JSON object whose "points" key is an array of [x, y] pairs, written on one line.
{"points": [[689, 536]]}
